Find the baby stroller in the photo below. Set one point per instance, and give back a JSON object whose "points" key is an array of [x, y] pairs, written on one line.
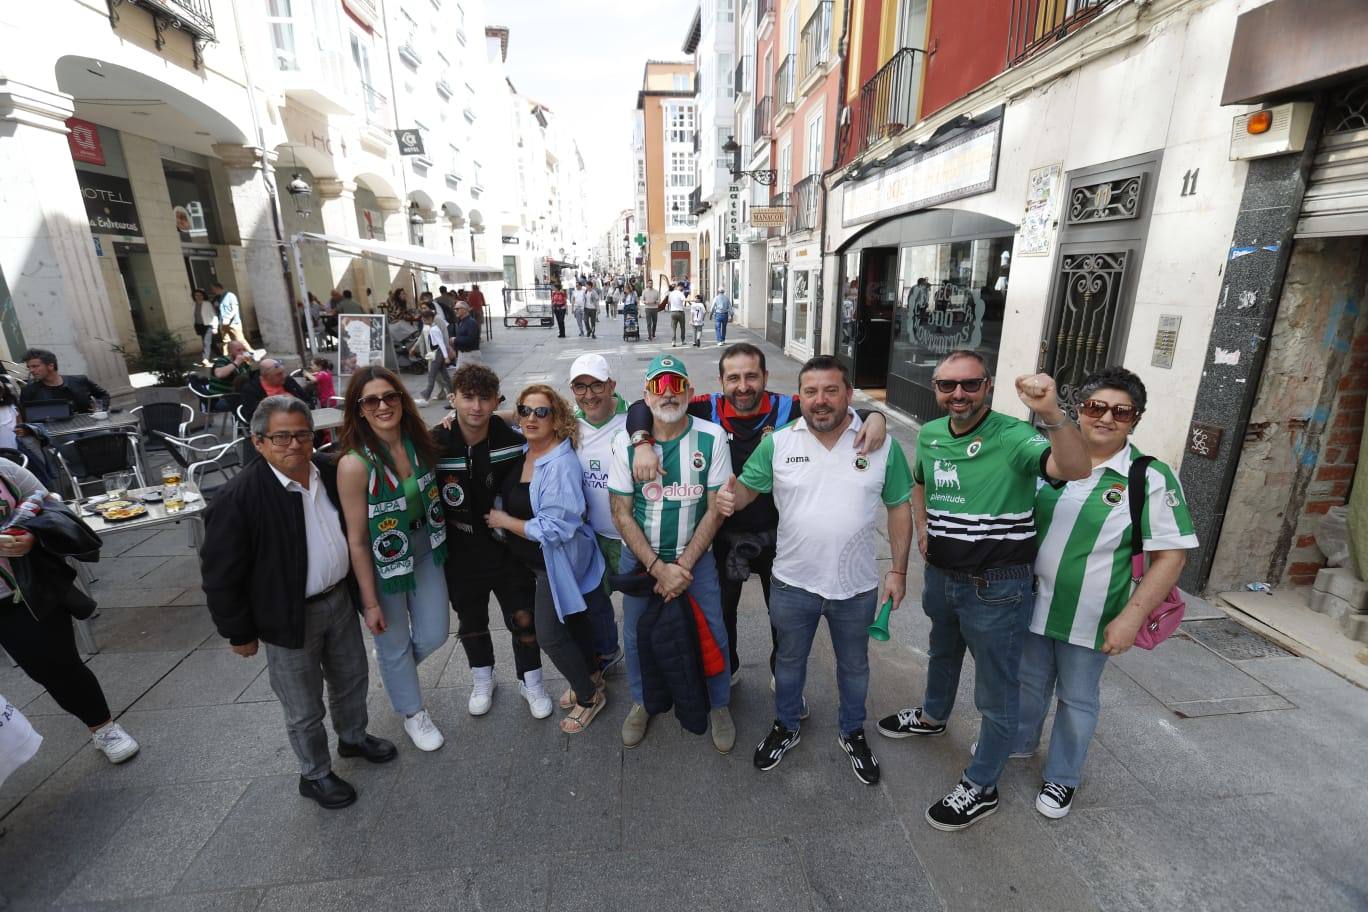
{"points": [[630, 328]]}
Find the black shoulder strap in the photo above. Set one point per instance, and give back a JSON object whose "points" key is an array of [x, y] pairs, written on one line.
{"points": [[1136, 489]]}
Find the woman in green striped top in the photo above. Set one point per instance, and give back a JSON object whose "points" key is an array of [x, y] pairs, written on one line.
{"points": [[1087, 608]]}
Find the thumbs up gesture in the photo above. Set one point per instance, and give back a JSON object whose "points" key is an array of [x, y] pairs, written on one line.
{"points": [[726, 497]]}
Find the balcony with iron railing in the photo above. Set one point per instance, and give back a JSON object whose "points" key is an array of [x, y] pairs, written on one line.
{"points": [[803, 203], [763, 122], [377, 108], [1037, 25], [696, 204], [814, 47], [886, 106], [764, 11], [784, 88], [194, 17]]}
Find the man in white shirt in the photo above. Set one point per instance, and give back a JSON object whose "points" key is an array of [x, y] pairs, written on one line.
{"points": [[275, 569], [433, 345], [676, 303], [578, 300], [601, 413], [229, 313]]}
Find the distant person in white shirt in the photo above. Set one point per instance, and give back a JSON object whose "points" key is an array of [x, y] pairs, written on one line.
{"points": [[698, 312], [432, 344], [677, 305]]}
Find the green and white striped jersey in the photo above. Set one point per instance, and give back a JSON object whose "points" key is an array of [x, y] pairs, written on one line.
{"points": [[669, 509], [1083, 559]]}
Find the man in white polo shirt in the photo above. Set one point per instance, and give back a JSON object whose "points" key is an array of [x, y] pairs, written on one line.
{"points": [[601, 413], [827, 495]]}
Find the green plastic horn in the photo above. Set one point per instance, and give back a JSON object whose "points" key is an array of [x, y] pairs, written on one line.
{"points": [[879, 629]]}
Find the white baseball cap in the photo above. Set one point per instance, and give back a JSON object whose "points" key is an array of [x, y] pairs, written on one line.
{"points": [[595, 366]]}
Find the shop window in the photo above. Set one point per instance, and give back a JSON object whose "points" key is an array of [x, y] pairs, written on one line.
{"points": [[192, 203], [950, 296], [802, 303]]}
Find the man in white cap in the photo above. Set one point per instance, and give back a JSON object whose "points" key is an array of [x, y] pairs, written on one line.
{"points": [[601, 413]]}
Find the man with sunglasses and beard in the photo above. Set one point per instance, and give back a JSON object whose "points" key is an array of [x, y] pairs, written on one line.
{"points": [[974, 505], [667, 527]]}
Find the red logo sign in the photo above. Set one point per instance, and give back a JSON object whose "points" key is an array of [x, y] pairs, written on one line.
{"points": [[84, 140]]}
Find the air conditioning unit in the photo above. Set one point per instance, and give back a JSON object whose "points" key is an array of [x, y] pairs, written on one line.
{"points": [[1270, 131]]}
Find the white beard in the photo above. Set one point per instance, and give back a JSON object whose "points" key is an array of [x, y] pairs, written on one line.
{"points": [[667, 414]]}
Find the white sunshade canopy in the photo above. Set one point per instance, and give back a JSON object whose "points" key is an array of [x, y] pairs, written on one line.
{"points": [[451, 268]]}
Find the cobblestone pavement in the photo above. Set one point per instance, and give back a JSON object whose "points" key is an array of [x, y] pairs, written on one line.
{"points": [[1213, 783]]}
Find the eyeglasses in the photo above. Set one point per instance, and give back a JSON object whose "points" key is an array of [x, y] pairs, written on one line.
{"points": [[281, 439], [527, 411], [373, 403], [969, 386], [597, 388], [667, 384], [1096, 408]]}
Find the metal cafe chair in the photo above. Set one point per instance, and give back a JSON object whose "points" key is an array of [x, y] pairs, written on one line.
{"points": [[104, 452], [172, 418]]}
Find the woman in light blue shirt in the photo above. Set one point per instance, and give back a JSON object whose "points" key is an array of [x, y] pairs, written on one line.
{"points": [[544, 508]]}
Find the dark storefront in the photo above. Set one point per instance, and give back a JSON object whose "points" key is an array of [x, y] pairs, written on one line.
{"points": [[916, 287]]}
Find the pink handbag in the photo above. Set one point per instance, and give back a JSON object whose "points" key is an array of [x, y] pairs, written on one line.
{"points": [[1166, 617]]}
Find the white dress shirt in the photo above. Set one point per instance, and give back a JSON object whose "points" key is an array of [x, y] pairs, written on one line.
{"points": [[328, 558]]}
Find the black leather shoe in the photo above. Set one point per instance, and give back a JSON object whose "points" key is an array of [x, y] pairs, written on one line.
{"points": [[376, 750], [332, 791]]}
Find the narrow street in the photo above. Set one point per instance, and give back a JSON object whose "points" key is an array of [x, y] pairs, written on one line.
{"points": [[1213, 783]]}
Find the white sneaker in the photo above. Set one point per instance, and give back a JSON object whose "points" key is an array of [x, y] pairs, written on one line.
{"points": [[422, 732], [115, 743], [537, 700], [482, 693], [420, 402]]}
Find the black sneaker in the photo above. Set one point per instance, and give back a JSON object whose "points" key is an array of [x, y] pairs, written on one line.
{"points": [[776, 744], [1054, 800], [861, 757], [908, 722], [962, 807]]}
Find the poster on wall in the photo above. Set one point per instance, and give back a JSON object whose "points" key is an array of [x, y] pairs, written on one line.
{"points": [[360, 342], [1037, 223]]}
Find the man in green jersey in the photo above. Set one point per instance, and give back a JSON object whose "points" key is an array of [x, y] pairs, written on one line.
{"points": [[667, 526], [974, 501]]}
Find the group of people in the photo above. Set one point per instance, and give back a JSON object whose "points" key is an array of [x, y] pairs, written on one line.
{"points": [[217, 318], [648, 303]]}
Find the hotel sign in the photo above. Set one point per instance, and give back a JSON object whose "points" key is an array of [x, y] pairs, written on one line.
{"points": [[965, 166], [767, 216], [109, 204]]}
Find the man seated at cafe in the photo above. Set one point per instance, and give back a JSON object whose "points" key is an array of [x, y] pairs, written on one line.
{"points": [[227, 372], [49, 385], [270, 380]]}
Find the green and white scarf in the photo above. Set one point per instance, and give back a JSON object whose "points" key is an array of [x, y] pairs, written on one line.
{"points": [[392, 509]]}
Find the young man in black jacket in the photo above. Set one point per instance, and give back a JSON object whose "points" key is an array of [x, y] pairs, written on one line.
{"points": [[478, 452], [276, 569]]}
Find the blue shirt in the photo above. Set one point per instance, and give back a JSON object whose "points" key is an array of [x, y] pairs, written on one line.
{"points": [[721, 305], [574, 564]]}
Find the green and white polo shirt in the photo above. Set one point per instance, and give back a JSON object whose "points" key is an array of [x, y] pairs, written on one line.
{"points": [[1084, 558], [827, 502], [595, 452], [980, 492], [669, 509]]}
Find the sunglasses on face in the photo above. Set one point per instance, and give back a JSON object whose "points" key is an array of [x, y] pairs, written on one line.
{"points": [[527, 411], [373, 403], [969, 386], [1096, 408], [281, 439], [667, 384]]}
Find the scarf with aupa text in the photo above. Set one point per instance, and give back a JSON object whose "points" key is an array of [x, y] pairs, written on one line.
{"points": [[396, 509]]}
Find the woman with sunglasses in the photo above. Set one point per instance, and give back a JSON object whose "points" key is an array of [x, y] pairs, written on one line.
{"points": [[396, 524], [1087, 608], [544, 507]]}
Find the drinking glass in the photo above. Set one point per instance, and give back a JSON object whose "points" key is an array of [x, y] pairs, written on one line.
{"points": [[116, 484]]}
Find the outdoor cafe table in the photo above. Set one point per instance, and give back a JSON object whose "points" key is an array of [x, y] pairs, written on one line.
{"points": [[327, 419]]}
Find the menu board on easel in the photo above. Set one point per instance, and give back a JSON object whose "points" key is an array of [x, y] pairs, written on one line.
{"points": [[360, 342]]}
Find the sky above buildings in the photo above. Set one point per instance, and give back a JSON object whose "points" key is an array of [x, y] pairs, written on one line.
{"points": [[584, 60]]}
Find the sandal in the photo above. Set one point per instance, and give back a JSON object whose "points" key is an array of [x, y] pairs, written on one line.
{"points": [[581, 716], [567, 699]]}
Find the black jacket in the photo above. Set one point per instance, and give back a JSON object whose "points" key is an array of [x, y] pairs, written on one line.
{"points": [[469, 478], [254, 559], [252, 393], [465, 332], [669, 653], [77, 389]]}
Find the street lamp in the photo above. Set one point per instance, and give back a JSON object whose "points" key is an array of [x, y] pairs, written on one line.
{"points": [[299, 191], [765, 176]]}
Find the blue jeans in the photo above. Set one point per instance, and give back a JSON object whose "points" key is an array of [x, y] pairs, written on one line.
{"points": [[416, 626], [720, 327], [707, 591], [794, 613], [991, 621], [1050, 666]]}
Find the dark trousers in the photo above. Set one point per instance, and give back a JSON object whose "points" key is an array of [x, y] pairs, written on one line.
{"points": [[731, 594], [560, 322], [334, 652], [46, 651], [569, 643], [651, 316], [516, 591]]}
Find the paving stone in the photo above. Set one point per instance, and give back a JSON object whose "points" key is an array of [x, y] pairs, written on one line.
{"points": [[192, 596], [51, 836], [16, 686], [118, 543], [152, 628], [63, 738], [173, 542], [206, 677], [120, 594], [234, 901], [124, 677], [1183, 671], [150, 852], [126, 571], [715, 874], [851, 870], [273, 835], [259, 691], [507, 888]]}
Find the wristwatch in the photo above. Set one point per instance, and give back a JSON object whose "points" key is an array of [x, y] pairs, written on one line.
{"points": [[640, 437]]}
